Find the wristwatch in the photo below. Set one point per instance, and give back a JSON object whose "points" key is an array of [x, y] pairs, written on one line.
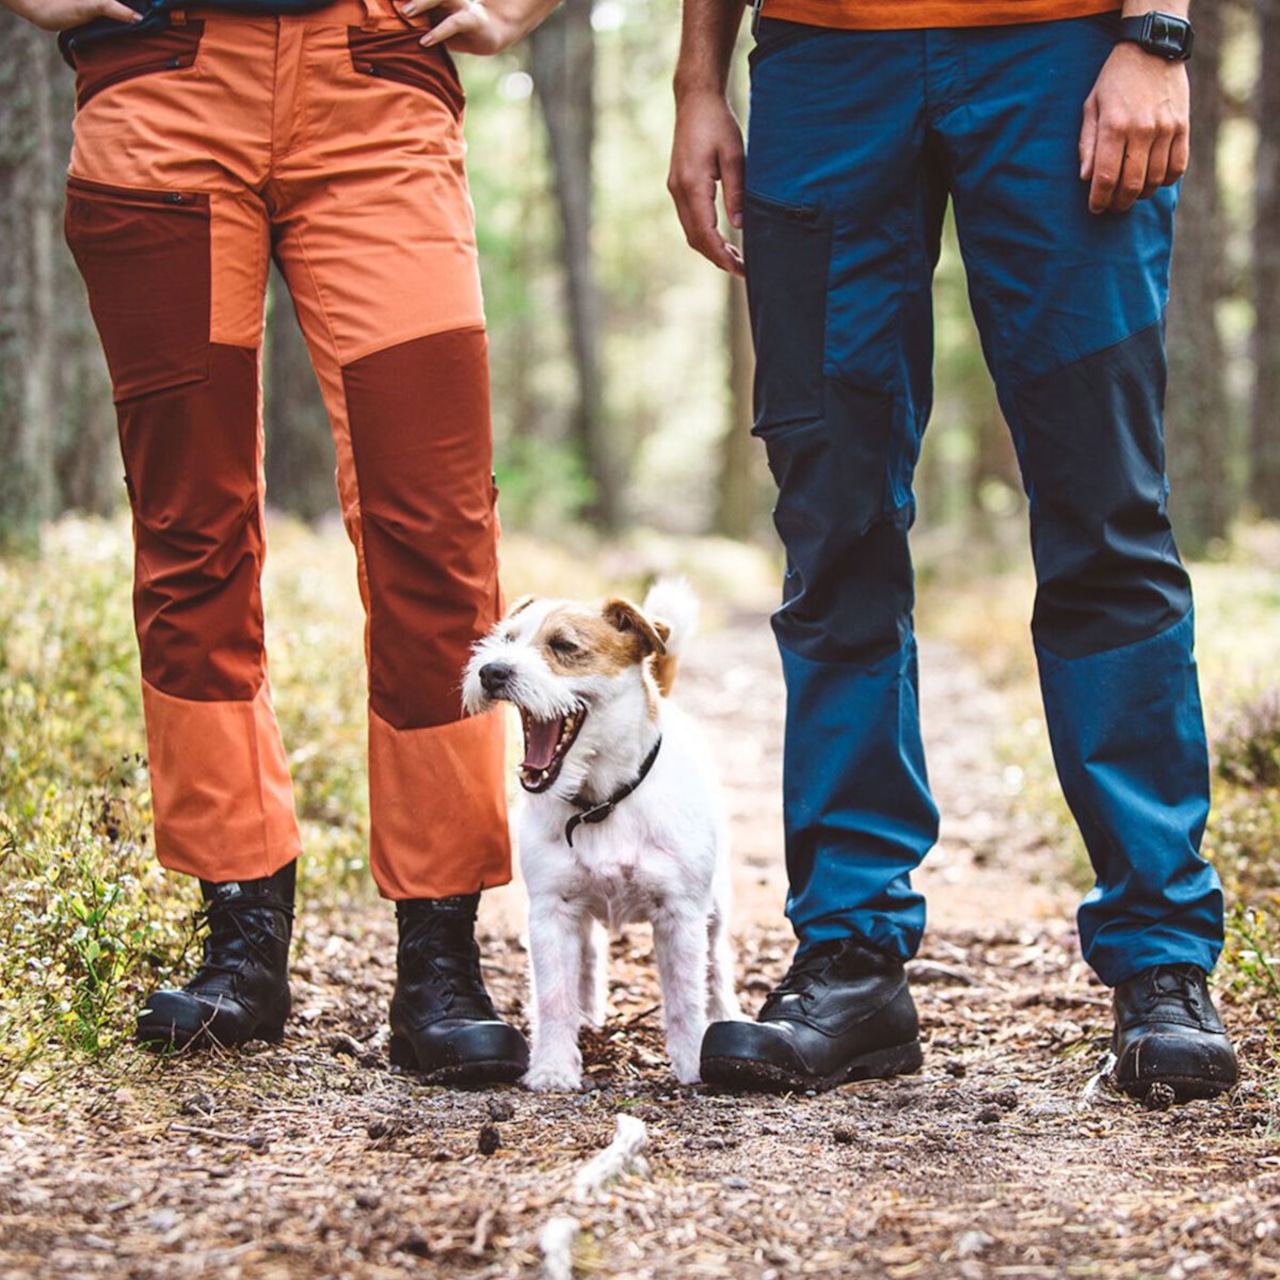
{"points": [[1159, 33]]}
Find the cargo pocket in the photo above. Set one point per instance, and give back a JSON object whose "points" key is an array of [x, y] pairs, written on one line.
{"points": [[144, 256], [398, 56], [788, 252], [104, 63]]}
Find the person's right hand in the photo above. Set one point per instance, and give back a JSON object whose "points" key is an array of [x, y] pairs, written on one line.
{"points": [[707, 149], [58, 15]]}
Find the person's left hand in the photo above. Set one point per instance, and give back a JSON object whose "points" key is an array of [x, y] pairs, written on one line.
{"points": [[469, 26], [1137, 129]]}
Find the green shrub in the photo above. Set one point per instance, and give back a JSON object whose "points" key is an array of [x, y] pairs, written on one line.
{"points": [[1248, 749]]}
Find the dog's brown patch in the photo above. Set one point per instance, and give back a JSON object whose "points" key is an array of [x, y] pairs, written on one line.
{"points": [[576, 640]]}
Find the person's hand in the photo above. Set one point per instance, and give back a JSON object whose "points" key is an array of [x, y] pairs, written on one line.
{"points": [[1137, 129], [707, 149], [58, 15], [470, 26]]}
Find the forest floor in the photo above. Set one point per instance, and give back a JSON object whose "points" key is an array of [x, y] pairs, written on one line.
{"points": [[1005, 1157]]}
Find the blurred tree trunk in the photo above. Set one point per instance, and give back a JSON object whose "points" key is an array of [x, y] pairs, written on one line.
{"points": [[1264, 444], [299, 443], [1196, 414], [26, 279], [738, 486], [87, 469], [562, 61]]}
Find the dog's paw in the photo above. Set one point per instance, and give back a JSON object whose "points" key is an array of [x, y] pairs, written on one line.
{"points": [[687, 1065], [689, 1074], [542, 1078]]}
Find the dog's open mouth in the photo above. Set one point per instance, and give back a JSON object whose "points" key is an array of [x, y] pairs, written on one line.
{"points": [[546, 743]]}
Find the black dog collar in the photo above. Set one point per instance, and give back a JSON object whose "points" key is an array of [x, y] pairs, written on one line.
{"points": [[599, 812]]}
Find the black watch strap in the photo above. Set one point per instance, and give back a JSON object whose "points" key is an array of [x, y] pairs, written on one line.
{"points": [[1161, 34]]}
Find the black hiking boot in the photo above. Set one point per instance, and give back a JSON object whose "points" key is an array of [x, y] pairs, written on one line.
{"points": [[443, 1024], [241, 991], [1169, 1042], [842, 1013]]}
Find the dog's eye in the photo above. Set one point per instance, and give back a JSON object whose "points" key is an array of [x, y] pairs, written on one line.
{"points": [[563, 647]]}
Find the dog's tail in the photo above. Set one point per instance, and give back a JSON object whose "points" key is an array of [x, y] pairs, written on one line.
{"points": [[673, 609]]}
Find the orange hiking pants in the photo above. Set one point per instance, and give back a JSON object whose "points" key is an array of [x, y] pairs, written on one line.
{"points": [[331, 142]]}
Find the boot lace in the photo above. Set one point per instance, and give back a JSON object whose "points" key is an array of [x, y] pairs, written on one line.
{"points": [[799, 979], [234, 926], [1176, 984], [441, 952]]}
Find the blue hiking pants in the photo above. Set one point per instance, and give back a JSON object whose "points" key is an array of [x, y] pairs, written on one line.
{"points": [[857, 140]]}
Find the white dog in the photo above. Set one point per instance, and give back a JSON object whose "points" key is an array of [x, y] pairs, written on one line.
{"points": [[622, 820]]}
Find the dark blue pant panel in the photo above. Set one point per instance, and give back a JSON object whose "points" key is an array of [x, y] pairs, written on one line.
{"points": [[1128, 739], [855, 828], [857, 141], [1107, 568]]}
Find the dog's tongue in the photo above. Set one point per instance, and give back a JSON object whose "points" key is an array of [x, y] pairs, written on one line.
{"points": [[541, 738]]}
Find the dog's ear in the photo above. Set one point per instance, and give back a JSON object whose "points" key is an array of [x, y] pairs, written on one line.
{"points": [[523, 603], [663, 629], [624, 616]]}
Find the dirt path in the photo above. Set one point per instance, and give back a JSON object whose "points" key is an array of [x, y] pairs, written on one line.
{"points": [[999, 1160]]}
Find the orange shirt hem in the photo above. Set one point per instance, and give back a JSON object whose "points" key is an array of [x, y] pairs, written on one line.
{"points": [[900, 15]]}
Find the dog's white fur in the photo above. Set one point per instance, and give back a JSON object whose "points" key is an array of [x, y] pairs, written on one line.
{"points": [[661, 856]]}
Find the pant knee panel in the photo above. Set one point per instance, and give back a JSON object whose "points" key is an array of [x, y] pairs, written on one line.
{"points": [[419, 415], [191, 466], [1107, 566]]}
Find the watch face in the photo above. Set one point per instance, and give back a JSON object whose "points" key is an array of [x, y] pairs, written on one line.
{"points": [[1167, 35]]}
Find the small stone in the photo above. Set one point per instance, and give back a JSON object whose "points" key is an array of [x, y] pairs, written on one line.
{"points": [[1160, 1096], [345, 1046], [736, 1184], [957, 1070], [844, 1136], [367, 1199], [489, 1140], [973, 1243], [989, 1115], [199, 1104], [501, 1109], [378, 1129]]}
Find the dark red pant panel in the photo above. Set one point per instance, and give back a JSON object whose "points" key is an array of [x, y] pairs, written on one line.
{"points": [[191, 463], [144, 256], [419, 415]]}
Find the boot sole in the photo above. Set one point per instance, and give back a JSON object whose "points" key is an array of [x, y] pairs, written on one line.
{"points": [[170, 1039], [1184, 1088], [746, 1074], [481, 1071]]}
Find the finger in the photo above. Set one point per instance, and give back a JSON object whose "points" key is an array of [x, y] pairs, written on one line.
{"points": [[460, 22], [1157, 167], [1108, 161], [732, 174], [696, 209], [1179, 156], [1088, 140], [1133, 178], [119, 12], [416, 8]]}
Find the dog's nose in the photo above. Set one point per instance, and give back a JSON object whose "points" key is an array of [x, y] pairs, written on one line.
{"points": [[494, 677]]}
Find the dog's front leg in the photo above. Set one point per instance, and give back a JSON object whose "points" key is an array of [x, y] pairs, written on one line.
{"points": [[555, 950], [592, 980], [680, 943]]}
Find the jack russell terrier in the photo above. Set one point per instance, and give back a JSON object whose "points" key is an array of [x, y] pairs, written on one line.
{"points": [[622, 820]]}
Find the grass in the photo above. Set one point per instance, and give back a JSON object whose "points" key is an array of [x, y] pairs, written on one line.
{"points": [[91, 923]]}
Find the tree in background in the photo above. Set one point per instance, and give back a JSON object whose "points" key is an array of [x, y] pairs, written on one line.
{"points": [[1264, 444], [562, 61], [26, 279], [299, 444], [1197, 417]]}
